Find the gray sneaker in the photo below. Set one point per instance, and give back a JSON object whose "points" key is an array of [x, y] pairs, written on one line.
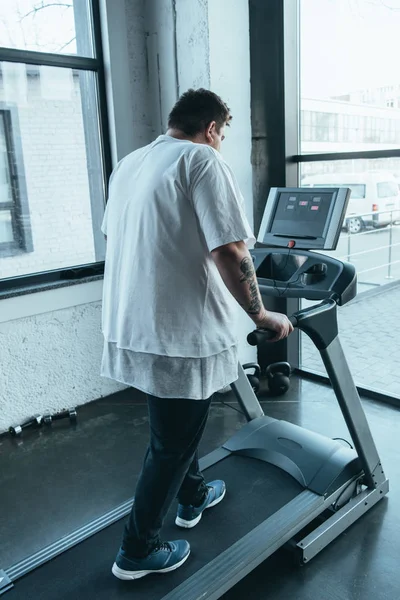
{"points": [[189, 516], [167, 557]]}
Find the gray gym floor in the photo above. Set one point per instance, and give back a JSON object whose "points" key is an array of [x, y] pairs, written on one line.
{"points": [[55, 481]]}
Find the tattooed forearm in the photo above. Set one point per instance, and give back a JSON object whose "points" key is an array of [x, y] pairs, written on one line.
{"points": [[255, 304], [247, 268], [248, 277]]}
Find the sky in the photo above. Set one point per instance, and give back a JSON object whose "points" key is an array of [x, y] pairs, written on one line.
{"points": [[50, 29], [346, 45]]}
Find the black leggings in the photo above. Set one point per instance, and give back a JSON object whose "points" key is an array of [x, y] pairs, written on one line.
{"points": [[170, 469]]}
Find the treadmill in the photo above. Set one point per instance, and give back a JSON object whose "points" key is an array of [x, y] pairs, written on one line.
{"points": [[286, 485]]}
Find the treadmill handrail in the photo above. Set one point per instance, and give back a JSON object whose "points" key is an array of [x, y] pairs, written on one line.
{"points": [[313, 320]]}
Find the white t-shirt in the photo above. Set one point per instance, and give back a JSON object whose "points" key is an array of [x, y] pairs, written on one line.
{"points": [[170, 376], [170, 204]]}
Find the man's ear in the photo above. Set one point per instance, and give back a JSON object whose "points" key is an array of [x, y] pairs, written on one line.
{"points": [[210, 131]]}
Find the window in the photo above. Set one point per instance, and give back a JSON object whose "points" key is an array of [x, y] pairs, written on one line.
{"points": [[15, 230], [387, 189], [7, 204], [357, 190], [374, 249], [359, 51], [54, 152]]}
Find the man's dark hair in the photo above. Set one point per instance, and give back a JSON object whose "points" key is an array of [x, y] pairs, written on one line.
{"points": [[196, 109]]}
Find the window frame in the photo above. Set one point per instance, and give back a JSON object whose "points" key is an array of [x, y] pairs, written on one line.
{"points": [[41, 279], [9, 248]]}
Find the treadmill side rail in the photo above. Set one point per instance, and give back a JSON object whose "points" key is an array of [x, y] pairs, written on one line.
{"points": [[5, 583]]}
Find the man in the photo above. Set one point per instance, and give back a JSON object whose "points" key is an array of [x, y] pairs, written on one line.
{"points": [[177, 263]]}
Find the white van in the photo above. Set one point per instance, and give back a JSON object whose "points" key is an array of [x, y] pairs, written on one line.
{"points": [[374, 200]]}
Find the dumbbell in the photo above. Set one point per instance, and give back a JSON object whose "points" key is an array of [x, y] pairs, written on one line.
{"points": [[65, 414], [278, 376], [254, 379], [33, 422]]}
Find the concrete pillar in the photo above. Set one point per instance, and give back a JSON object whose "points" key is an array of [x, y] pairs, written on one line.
{"points": [[178, 52], [229, 59]]}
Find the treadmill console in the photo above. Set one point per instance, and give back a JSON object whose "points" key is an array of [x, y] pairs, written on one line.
{"points": [[304, 218], [303, 274]]}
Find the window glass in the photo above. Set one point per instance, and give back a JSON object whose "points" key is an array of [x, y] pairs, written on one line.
{"points": [[53, 138], [55, 27], [353, 77], [370, 240]]}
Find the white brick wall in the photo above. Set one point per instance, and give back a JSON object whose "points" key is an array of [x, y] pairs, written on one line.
{"points": [[54, 157]]}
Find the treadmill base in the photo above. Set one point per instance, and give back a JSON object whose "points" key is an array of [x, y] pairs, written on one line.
{"points": [[324, 534]]}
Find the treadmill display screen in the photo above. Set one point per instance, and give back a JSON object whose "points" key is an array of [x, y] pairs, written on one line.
{"points": [[302, 214]]}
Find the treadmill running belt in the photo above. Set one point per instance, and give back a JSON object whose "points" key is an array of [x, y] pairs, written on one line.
{"points": [[255, 490]]}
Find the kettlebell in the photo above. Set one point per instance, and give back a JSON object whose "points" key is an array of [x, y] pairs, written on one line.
{"points": [[278, 376], [254, 379]]}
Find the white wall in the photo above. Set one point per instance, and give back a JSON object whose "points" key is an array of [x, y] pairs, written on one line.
{"points": [[51, 359]]}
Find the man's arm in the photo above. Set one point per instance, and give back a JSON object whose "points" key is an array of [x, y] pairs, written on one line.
{"points": [[237, 271]]}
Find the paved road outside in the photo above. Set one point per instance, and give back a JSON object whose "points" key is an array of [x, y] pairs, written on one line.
{"points": [[370, 335]]}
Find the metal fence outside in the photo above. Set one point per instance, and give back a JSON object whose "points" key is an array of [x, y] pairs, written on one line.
{"points": [[363, 257]]}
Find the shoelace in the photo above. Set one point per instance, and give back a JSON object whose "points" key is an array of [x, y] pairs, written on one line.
{"points": [[163, 546]]}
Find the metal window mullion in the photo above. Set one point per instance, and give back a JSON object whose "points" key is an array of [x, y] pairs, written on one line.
{"points": [[31, 57], [291, 42], [102, 95], [334, 156]]}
